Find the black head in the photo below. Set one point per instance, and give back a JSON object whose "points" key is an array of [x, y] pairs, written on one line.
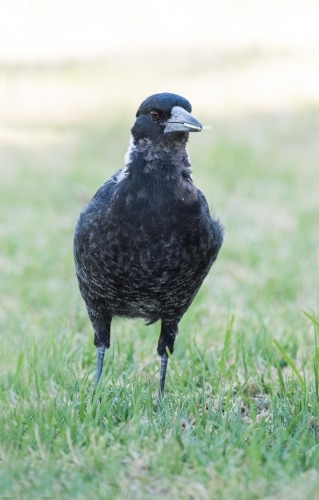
{"points": [[163, 114]]}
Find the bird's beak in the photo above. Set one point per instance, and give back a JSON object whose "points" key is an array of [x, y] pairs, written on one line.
{"points": [[182, 121]]}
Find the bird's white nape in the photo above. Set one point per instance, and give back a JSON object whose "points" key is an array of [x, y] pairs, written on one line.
{"points": [[131, 149]]}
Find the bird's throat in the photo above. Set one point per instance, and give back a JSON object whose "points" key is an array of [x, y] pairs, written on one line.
{"points": [[157, 156]]}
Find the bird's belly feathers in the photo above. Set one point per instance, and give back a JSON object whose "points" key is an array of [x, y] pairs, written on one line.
{"points": [[148, 269]]}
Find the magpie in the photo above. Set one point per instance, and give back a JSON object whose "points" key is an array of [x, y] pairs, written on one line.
{"points": [[145, 242]]}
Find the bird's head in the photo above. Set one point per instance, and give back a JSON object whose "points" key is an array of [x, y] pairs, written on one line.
{"points": [[160, 115]]}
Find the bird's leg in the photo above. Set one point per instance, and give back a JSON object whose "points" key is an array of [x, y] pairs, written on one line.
{"points": [[100, 359], [164, 361], [102, 332], [166, 340]]}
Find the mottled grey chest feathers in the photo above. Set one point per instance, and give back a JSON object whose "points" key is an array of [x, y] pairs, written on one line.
{"points": [[163, 162]]}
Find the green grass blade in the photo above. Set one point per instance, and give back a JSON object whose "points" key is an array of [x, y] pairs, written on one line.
{"points": [[315, 322], [280, 377], [178, 377], [291, 363], [230, 389], [227, 341]]}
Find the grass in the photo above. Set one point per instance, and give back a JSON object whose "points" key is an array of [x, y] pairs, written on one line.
{"points": [[240, 417]]}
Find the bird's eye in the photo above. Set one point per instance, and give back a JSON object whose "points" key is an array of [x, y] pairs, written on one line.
{"points": [[155, 115]]}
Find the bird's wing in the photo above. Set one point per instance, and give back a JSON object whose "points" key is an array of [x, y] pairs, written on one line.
{"points": [[217, 229], [106, 191], [102, 198]]}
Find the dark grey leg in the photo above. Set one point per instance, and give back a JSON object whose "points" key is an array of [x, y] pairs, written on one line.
{"points": [[102, 332], [100, 359], [164, 361], [166, 340]]}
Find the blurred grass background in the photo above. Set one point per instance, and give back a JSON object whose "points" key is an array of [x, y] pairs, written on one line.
{"points": [[72, 76]]}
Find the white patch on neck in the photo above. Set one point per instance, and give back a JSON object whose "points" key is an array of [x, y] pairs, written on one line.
{"points": [[120, 175], [131, 149]]}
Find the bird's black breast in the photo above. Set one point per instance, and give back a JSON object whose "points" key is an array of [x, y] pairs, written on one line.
{"points": [[143, 245]]}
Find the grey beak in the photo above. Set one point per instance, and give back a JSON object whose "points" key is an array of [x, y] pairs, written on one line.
{"points": [[182, 121]]}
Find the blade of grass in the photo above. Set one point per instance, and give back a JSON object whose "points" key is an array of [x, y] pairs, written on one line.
{"points": [[230, 389], [227, 343], [280, 376], [312, 318], [178, 377], [316, 368], [291, 363], [316, 357]]}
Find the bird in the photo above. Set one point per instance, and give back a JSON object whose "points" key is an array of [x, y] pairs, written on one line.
{"points": [[145, 242]]}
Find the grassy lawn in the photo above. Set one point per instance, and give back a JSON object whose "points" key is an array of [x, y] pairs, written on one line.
{"points": [[240, 419]]}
